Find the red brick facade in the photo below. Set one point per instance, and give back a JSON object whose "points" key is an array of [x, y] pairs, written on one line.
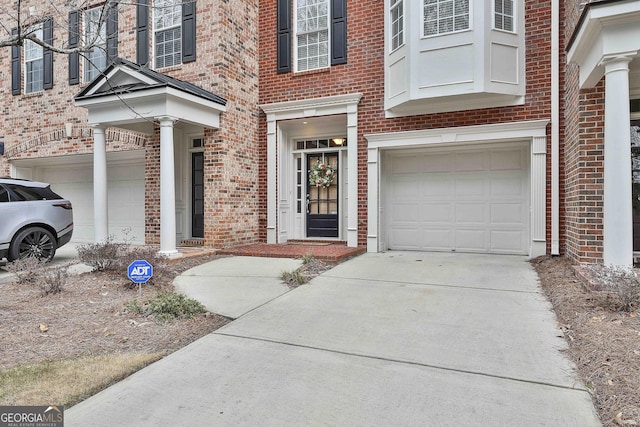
{"points": [[364, 72]]}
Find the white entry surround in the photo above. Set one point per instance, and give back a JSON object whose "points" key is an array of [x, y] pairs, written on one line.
{"points": [[530, 134], [279, 150]]}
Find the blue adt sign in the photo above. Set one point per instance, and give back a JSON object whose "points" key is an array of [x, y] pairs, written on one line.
{"points": [[140, 271]]}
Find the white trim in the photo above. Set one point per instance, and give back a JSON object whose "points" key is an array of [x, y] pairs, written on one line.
{"points": [[532, 131], [608, 29], [306, 108]]}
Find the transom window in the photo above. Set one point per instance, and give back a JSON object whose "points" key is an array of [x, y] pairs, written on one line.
{"points": [[312, 34], [445, 16], [34, 64], [94, 34], [503, 15], [167, 30], [321, 143], [397, 24]]}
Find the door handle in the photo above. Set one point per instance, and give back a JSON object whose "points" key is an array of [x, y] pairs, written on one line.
{"points": [[308, 205]]}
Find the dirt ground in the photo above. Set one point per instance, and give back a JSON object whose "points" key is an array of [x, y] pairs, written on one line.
{"points": [[604, 343], [90, 317]]}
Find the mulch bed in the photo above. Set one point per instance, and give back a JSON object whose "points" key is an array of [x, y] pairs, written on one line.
{"points": [[604, 343]]}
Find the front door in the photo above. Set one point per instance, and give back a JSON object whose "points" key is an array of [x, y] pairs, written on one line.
{"points": [[322, 195], [197, 195], [635, 186]]}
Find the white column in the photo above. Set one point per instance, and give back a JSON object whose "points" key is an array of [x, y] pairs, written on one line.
{"points": [[100, 200], [373, 196], [271, 179], [538, 196], [618, 220], [352, 173], [167, 190]]}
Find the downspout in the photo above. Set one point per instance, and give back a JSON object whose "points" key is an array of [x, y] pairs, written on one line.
{"points": [[555, 127]]}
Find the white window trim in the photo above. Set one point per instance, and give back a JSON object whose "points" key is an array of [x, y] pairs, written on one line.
{"points": [[428, 36], [513, 17], [39, 30], [85, 61], [392, 7], [155, 30], [295, 39]]}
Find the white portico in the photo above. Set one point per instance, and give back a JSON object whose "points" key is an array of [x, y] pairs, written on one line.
{"points": [[130, 96]]}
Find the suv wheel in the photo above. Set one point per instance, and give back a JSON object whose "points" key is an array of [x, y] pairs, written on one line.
{"points": [[33, 242]]}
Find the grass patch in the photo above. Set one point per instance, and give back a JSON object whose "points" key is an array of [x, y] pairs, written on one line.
{"points": [[67, 382]]}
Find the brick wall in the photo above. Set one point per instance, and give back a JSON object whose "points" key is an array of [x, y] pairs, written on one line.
{"points": [[364, 73], [227, 49], [583, 158]]}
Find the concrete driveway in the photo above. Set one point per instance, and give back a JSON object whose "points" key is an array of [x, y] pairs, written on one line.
{"points": [[388, 339], [68, 254]]}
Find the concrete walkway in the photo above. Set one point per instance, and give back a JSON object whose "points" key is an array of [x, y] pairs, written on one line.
{"points": [[389, 339]]}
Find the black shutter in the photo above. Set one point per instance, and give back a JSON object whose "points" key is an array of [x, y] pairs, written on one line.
{"points": [[47, 37], [284, 36], [338, 32], [15, 67], [112, 33], [142, 32], [189, 31], [74, 39]]}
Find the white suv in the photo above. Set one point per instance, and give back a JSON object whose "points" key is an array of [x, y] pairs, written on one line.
{"points": [[34, 221]]}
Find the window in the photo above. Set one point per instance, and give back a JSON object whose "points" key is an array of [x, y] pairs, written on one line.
{"points": [[167, 30], [503, 16], [34, 64], [4, 194], [312, 34], [445, 16], [95, 33], [397, 24]]}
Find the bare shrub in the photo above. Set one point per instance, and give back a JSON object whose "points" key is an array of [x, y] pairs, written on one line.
{"points": [[102, 256], [618, 287], [53, 279], [32, 271]]}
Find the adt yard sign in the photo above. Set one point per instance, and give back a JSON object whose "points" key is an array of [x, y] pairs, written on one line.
{"points": [[140, 271]]}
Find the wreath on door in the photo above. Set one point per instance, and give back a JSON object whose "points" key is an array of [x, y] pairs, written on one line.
{"points": [[321, 175]]}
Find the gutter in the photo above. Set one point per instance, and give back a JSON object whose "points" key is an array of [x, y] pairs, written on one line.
{"points": [[555, 127]]}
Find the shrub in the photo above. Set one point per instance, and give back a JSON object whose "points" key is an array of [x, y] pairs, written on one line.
{"points": [[619, 285], [167, 306], [102, 256], [32, 271], [293, 278]]}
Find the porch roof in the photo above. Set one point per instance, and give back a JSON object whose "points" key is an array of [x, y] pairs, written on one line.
{"points": [[147, 94]]}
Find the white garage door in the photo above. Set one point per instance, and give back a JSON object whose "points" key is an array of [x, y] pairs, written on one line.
{"points": [[125, 197], [467, 200]]}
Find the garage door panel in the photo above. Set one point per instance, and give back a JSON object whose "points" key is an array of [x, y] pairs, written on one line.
{"points": [[470, 187], [469, 200], [470, 240], [437, 187], [473, 213], [505, 241], [473, 161], [506, 214], [405, 187], [437, 238], [436, 163], [405, 212], [506, 160], [436, 212], [507, 187]]}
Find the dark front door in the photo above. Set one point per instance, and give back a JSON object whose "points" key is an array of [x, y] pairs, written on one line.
{"points": [[197, 195], [635, 183], [322, 199]]}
